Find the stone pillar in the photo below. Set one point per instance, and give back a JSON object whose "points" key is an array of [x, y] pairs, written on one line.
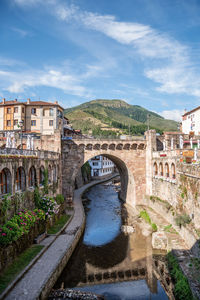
{"points": [[150, 147]]}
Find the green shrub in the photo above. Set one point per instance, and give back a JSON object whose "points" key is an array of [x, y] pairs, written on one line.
{"points": [[60, 199], [49, 206], [37, 197], [19, 224], [182, 289], [154, 227], [182, 220], [144, 215], [46, 181]]}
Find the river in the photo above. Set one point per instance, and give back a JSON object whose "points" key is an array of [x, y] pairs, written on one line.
{"points": [[108, 261]]}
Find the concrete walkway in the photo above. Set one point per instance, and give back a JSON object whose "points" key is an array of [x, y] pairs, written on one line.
{"points": [[38, 281]]}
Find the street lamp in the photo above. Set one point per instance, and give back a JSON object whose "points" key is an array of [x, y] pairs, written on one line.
{"points": [[21, 123]]}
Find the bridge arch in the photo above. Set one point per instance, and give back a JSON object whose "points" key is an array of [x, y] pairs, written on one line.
{"points": [[127, 179], [130, 161]]}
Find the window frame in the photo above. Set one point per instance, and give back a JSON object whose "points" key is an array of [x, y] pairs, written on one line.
{"points": [[16, 110], [33, 110], [33, 121]]}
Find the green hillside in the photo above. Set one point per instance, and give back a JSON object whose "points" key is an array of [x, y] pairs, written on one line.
{"points": [[114, 117]]}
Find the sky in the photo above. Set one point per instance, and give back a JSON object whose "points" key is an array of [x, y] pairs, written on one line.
{"points": [[146, 52]]}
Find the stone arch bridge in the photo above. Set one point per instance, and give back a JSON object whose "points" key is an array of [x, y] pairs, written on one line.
{"points": [[130, 157]]}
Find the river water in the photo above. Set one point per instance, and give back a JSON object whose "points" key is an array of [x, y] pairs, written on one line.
{"points": [[108, 261]]}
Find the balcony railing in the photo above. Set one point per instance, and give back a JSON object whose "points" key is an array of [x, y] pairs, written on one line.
{"points": [[25, 152], [14, 151]]}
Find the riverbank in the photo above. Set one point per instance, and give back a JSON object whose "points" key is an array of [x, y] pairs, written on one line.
{"points": [[41, 277]]}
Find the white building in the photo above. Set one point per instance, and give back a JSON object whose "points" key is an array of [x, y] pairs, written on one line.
{"points": [[101, 166], [191, 121]]}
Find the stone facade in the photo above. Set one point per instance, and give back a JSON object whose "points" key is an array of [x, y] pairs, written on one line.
{"points": [[21, 184]]}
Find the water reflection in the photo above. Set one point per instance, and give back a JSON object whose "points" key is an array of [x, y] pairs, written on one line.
{"points": [[107, 261], [131, 290], [104, 209]]}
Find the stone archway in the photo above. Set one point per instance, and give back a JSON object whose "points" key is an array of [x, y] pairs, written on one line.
{"points": [[131, 164], [127, 179]]}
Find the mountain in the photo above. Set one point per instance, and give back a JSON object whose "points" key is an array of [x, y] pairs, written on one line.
{"points": [[113, 117]]}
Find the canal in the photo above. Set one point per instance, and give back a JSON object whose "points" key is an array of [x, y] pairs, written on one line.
{"points": [[107, 261]]}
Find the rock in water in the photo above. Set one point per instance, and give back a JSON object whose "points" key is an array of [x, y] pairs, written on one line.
{"points": [[66, 294], [127, 229]]}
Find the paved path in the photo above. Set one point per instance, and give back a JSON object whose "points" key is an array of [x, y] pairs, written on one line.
{"points": [[38, 281]]}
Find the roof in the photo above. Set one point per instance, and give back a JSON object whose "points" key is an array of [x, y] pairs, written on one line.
{"points": [[35, 103], [191, 111], [12, 102]]}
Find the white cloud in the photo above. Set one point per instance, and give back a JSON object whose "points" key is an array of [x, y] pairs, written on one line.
{"points": [[167, 62], [176, 79], [18, 82], [21, 32], [26, 2], [174, 114], [177, 71]]}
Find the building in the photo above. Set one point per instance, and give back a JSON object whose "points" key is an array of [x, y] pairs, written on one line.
{"points": [[191, 122], [33, 116], [101, 166]]}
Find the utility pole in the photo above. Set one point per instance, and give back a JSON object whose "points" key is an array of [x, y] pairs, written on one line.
{"points": [[148, 117], [129, 129]]}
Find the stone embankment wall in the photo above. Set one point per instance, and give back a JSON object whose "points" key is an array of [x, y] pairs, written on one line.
{"points": [[183, 192], [176, 193]]}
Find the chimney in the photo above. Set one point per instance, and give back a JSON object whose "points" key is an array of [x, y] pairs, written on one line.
{"points": [[185, 110], [28, 101], [55, 102], [15, 100], [4, 100]]}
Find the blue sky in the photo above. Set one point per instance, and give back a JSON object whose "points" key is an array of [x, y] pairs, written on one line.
{"points": [[146, 52]]}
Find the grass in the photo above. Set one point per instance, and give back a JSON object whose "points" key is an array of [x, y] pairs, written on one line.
{"points": [[144, 215], [58, 224], [170, 229], [18, 265], [182, 289]]}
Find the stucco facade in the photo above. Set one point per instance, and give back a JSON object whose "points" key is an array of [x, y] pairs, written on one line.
{"points": [[37, 116]]}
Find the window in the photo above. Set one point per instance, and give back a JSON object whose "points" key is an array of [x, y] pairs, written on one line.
{"points": [[20, 179], [50, 122], [41, 179], [32, 177], [51, 112], [33, 111], [23, 110], [5, 181], [8, 122], [33, 122], [59, 114], [155, 169], [173, 171], [8, 110], [15, 122], [15, 109]]}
